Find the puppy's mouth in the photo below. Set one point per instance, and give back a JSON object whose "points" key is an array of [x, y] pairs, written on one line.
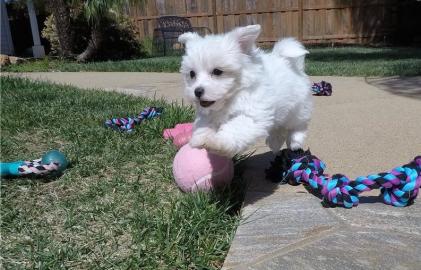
{"points": [[205, 103]]}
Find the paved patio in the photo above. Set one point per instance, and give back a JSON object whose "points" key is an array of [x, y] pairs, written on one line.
{"points": [[368, 125]]}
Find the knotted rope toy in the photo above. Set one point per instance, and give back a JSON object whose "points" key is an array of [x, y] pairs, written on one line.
{"points": [[322, 89], [51, 162], [127, 124], [399, 186]]}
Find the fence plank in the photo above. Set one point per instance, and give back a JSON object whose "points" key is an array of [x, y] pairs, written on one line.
{"points": [[311, 21]]}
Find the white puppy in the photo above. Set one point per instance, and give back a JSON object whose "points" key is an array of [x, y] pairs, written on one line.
{"points": [[243, 94]]}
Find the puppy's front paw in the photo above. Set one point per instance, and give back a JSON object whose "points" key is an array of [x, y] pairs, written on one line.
{"points": [[210, 140], [219, 146], [200, 137], [220, 151], [197, 142]]}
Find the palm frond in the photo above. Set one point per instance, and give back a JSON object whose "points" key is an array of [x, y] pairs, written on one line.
{"points": [[96, 9]]}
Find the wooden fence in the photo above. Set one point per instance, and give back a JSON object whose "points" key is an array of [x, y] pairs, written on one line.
{"points": [[311, 21]]}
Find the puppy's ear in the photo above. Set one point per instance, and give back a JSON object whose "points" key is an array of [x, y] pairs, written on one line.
{"points": [[246, 36], [187, 37]]}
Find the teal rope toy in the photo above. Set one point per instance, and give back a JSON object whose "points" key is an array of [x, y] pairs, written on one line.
{"points": [[399, 187], [51, 162]]}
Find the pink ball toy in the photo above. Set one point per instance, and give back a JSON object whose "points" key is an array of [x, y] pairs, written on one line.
{"points": [[197, 169]]}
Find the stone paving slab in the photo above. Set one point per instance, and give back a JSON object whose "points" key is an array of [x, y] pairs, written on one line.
{"points": [[350, 248], [372, 213], [274, 222]]}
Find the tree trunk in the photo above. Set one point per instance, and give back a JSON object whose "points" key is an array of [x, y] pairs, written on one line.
{"points": [[61, 12], [93, 44]]}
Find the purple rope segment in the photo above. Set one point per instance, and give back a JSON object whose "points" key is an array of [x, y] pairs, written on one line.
{"points": [[127, 124], [399, 186]]}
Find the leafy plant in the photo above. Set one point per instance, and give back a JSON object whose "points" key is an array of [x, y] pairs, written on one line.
{"points": [[103, 30]]}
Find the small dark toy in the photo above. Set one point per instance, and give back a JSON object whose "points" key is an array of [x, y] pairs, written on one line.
{"points": [[322, 89], [399, 186]]}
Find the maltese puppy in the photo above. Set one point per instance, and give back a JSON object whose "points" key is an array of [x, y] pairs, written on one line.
{"points": [[243, 94]]}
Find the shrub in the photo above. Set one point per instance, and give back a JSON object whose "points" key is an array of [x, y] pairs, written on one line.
{"points": [[147, 45], [49, 32], [120, 41]]}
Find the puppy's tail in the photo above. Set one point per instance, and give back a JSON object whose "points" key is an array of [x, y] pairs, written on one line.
{"points": [[291, 50]]}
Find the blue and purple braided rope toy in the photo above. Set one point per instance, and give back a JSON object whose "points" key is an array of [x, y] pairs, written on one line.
{"points": [[127, 124], [399, 186]]}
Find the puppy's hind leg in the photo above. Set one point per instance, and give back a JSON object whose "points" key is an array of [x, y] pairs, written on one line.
{"points": [[276, 139], [296, 138]]}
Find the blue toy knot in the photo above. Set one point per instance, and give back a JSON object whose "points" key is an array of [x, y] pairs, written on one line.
{"points": [[403, 186], [338, 191], [303, 168]]}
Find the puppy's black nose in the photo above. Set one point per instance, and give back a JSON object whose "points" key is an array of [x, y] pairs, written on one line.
{"points": [[198, 92]]}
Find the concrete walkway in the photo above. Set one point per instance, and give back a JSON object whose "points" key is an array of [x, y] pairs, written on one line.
{"points": [[151, 84], [368, 125]]}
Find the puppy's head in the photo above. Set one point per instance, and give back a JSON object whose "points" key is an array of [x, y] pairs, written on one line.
{"points": [[212, 66]]}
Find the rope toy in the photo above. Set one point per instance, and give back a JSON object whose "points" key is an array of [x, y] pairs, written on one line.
{"points": [[36, 167], [127, 124], [322, 89], [399, 186], [51, 162]]}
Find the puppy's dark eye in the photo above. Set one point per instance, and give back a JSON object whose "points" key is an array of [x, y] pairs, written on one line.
{"points": [[192, 74], [217, 72]]}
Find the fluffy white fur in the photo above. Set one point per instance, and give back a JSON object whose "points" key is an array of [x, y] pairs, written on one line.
{"points": [[257, 95]]}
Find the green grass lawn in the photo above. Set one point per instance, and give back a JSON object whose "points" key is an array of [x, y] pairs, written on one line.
{"points": [[337, 61], [116, 206]]}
